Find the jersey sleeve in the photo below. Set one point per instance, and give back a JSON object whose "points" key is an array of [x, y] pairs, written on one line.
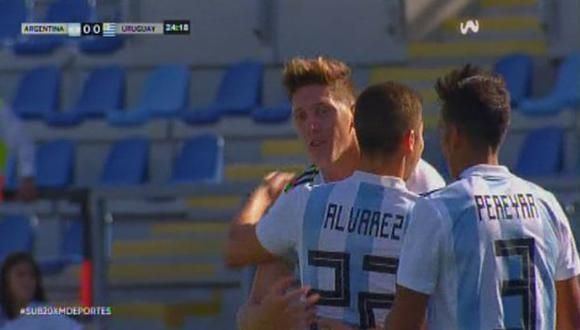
{"points": [[568, 264], [422, 248], [279, 228]]}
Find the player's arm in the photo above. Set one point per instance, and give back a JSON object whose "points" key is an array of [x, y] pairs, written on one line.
{"points": [[568, 304], [243, 245], [418, 270], [281, 308], [408, 312]]}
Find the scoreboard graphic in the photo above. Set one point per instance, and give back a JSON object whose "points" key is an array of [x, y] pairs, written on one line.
{"points": [[107, 29]]}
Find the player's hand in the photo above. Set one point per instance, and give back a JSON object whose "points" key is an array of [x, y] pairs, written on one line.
{"points": [[273, 184], [27, 190], [288, 309]]}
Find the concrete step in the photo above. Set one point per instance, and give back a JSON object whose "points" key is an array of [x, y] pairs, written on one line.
{"points": [[507, 3], [144, 248], [282, 147], [490, 49], [250, 172]]}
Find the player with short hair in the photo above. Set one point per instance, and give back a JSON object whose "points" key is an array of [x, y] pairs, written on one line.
{"points": [[491, 250], [347, 234]]}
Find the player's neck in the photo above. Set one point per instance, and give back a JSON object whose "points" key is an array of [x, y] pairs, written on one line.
{"points": [[383, 167], [342, 167], [489, 158]]}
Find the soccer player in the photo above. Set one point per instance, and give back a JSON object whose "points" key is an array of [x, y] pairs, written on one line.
{"points": [[491, 250], [347, 234], [322, 95]]}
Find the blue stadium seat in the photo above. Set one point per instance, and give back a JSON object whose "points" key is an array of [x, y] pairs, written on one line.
{"points": [[63, 11], [16, 235], [11, 173], [165, 94], [516, 70], [127, 163], [100, 45], [70, 250], [103, 91], [38, 93], [565, 93], [12, 14], [55, 164], [239, 93], [542, 153], [272, 115], [200, 160]]}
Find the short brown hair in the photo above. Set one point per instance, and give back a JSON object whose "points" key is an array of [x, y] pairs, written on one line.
{"points": [[383, 114], [300, 72], [477, 103]]}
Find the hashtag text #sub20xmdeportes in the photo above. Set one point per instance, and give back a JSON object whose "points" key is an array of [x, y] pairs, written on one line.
{"points": [[67, 310]]}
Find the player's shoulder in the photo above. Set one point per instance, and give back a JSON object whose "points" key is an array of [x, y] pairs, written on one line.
{"points": [[536, 189], [307, 178]]}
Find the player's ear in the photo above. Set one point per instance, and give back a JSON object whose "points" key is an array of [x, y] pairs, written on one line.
{"points": [[455, 140], [409, 141]]}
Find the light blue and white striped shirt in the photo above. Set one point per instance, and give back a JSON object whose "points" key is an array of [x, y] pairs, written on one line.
{"points": [[488, 250], [347, 236]]}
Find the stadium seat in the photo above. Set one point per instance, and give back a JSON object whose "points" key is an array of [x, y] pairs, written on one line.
{"points": [[15, 235], [55, 164], [38, 93], [70, 249], [11, 173], [100, 45], [239, 93], [127, 163], [61, 11], [542, 153], [12, 14], [516, 70], [272, 115], [165, 94], [565, 93], [103, 91], [200, 160]]}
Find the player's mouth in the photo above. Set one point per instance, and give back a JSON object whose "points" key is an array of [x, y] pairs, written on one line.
{"points": [[316, 143]]}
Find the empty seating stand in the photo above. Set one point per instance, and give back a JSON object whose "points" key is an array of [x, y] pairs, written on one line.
{"points": [[38, 93], [12, 14], [16, 235], [103, 91], [55, 164], [61, 11], [127, 163], [70, 250], [239, 93], [200, 160], [542, 153], [273, 115], [164, 95], [516, 70], [565, 93]]}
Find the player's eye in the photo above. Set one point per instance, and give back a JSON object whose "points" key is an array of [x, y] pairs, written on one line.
{"points": [[322, 110], [299, 116]]}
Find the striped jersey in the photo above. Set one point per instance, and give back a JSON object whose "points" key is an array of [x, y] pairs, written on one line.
{"points": [[347, 236], [488, 250], [424, 178]]}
